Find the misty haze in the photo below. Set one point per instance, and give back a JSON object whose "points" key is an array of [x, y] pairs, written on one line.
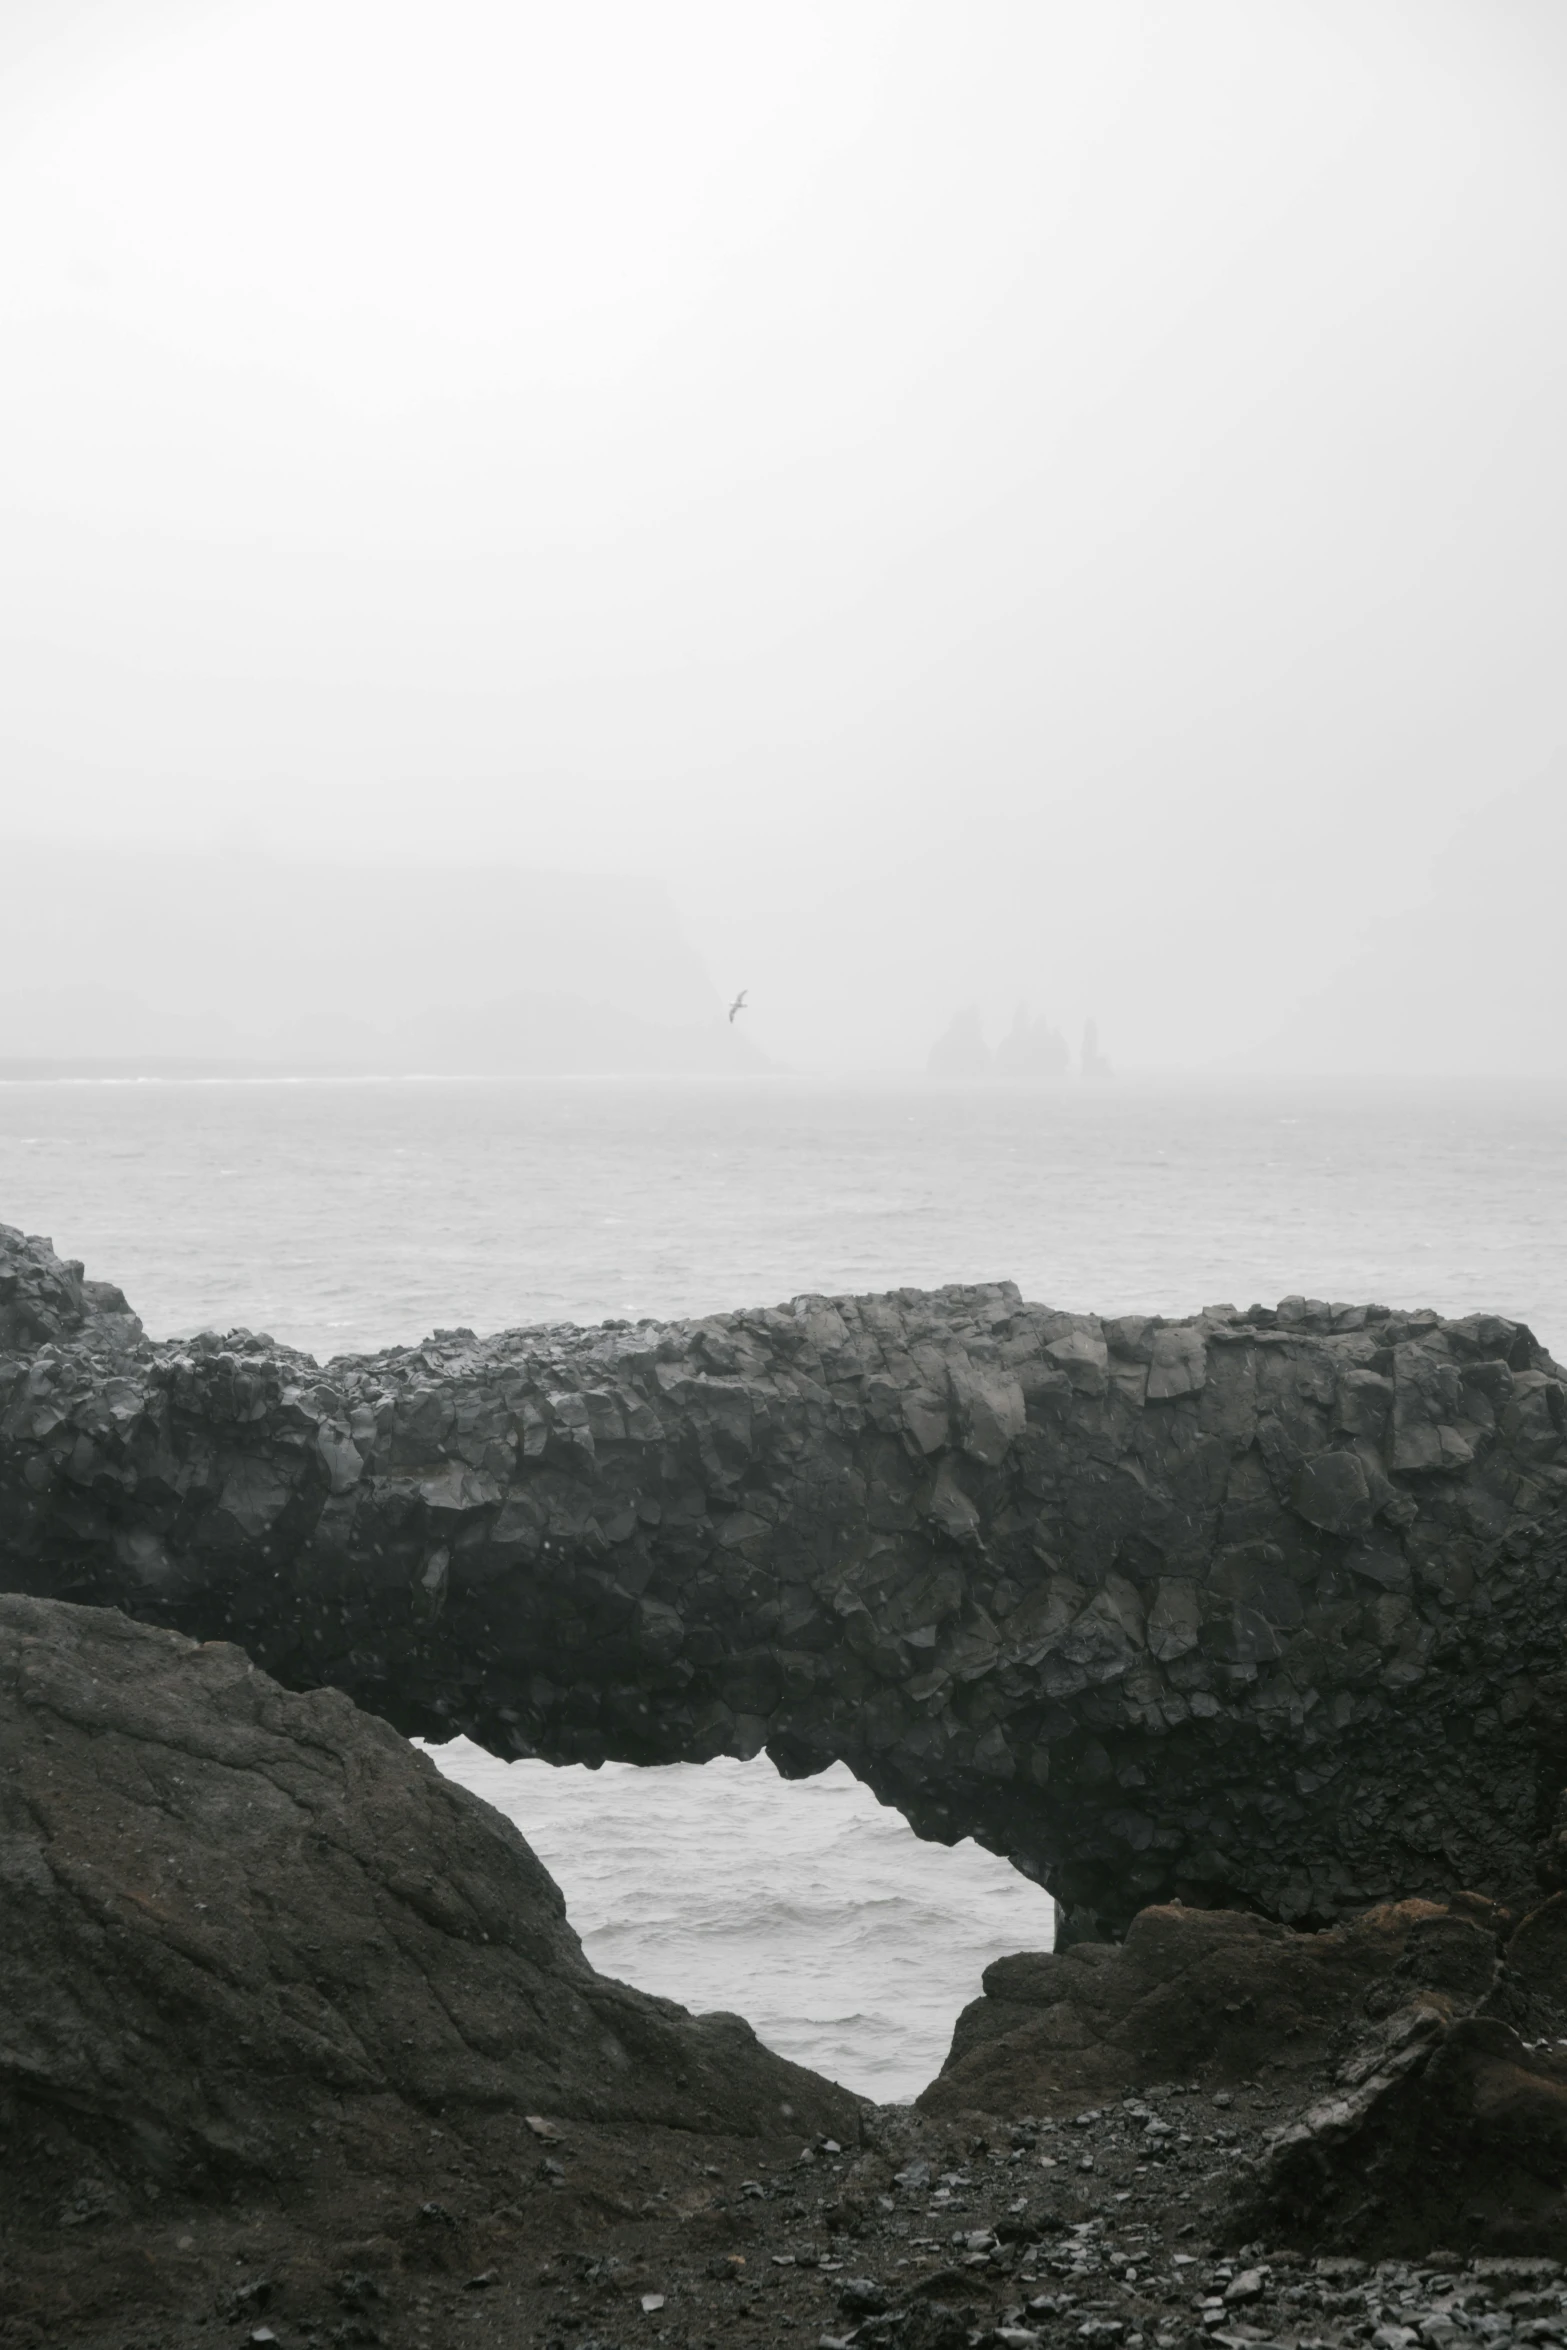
{"points": [[783, 1077]]}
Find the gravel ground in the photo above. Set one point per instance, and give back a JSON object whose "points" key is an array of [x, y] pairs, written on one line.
{"points": [[1107, 2228]]}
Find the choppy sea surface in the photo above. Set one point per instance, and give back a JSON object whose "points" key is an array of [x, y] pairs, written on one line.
{"points": [[811, 1909], [341, 1216]]}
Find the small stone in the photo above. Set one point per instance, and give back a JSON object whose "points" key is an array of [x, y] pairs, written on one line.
{"points": [[651, 2302], [1250, 2285], [356, 2290], [1439, 2333]]}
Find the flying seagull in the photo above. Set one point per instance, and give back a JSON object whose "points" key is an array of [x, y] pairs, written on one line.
{"points": [[738, 1005]]}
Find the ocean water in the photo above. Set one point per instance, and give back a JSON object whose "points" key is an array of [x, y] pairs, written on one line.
{"points": [[342, 1216], [808, 1907]]}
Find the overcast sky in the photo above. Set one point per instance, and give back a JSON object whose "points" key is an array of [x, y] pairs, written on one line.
{"points": [[785, 447]]}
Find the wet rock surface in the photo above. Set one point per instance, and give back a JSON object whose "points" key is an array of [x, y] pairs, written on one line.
{"points": [[1260, 1608]]}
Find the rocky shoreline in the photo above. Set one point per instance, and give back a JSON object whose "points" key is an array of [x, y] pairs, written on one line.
{"points": [[297, 2045]]}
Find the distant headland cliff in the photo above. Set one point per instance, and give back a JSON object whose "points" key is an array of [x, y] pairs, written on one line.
{"points": [[475, 971]]}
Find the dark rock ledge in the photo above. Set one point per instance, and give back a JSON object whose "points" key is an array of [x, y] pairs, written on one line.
{"points": [[1259, 1608]]}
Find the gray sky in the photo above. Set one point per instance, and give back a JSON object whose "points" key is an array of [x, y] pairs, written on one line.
{"points": [[1093, 472]]}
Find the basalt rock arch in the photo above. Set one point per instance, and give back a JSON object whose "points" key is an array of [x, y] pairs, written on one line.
{"points": [[1260, 1607]]}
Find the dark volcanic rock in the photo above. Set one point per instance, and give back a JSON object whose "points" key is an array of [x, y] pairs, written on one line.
{"points": [[1377, 2085], [1456, 2133], [297, 2043], [44, 1297], [1215, 1992], [241, 1927], [1260, 1609]]}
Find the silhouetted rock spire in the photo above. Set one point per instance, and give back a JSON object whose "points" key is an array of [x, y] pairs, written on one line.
{"points": [[962, 1051], [1032, 1049]]}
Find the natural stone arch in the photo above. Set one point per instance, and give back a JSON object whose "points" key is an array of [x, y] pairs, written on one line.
{"points": [[1257, 1607]]}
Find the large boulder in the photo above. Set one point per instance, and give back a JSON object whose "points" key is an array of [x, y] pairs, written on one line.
{"points": [[1259, 1608], [1405, 2072], [1453, 2134], [1216, 1993], [240, 1925]]}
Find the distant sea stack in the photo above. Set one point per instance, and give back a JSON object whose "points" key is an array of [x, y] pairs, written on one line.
{"points": [[961, 1051], [1259, 1608], [1031, 1052]]}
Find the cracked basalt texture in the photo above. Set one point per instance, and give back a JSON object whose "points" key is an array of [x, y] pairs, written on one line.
{"points": [[1261, 1608]]}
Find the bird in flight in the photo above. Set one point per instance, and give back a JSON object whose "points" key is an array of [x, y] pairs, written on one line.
{"points": [[738, 1005]]}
